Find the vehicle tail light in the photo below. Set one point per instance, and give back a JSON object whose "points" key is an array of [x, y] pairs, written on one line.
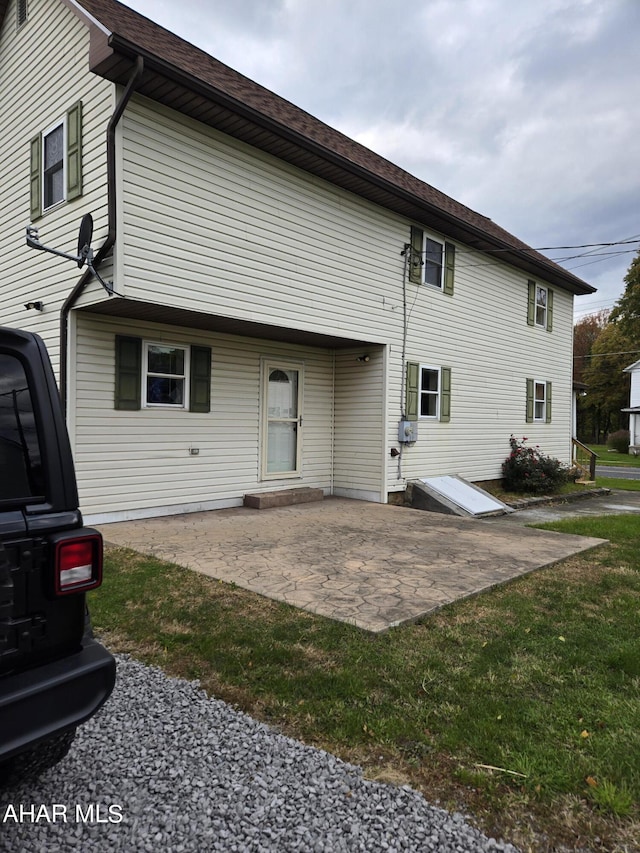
{"points": [[78, 563]]}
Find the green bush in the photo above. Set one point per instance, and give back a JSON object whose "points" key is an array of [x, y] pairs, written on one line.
{"points": [[528, 470], [619, 440]]}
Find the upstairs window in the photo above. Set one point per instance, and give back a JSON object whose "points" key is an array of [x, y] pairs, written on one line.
{"points": [[540, 310], [431, 261], [56, 163], [541, 306], [53, 167], [22, 13]]}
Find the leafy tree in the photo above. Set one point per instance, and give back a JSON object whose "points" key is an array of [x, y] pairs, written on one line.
{"points": [[616, 346], [626, 312], [585, 334], [608, 386]]}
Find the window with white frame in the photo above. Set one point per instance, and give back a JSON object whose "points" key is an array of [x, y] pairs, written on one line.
{"points": [[429, 392], [165, 373], [55, 163], [539, 401], [431, 260], [53, 166], [541, 306]]}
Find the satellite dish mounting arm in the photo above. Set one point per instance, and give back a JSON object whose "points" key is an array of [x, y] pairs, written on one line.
{"points": [[85, 252]]}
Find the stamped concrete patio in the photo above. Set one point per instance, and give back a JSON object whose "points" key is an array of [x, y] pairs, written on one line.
{"points": [[372, 565]]}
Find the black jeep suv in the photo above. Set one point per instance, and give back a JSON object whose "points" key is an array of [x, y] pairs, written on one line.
{"points": [[53, 675]]}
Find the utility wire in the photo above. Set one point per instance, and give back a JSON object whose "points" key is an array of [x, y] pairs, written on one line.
{"points": [[603, 354]]}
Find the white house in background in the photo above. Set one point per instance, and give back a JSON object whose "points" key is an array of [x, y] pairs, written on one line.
{"points": [[287, 307], [634, 408]]}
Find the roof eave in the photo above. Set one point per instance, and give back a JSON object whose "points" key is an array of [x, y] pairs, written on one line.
{"points": [[111, 57]]}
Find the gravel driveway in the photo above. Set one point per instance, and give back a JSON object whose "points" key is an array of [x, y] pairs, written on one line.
{"points": [[164, 768]]}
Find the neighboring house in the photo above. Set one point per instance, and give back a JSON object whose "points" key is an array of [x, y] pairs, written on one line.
{"points": [[634, 408], [283, 298]]}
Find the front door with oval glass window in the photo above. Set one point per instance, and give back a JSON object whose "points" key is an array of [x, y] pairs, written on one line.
{"points": [[282, 419]]}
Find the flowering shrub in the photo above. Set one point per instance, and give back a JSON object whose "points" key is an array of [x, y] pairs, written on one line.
{"points": [[526, 469]]}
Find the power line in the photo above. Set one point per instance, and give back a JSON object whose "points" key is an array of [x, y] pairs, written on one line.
{"points": [[496, 251], [586, 245], [603, 354]]}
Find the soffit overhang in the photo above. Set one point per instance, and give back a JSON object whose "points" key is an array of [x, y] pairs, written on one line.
{"points": [[142, 311]]}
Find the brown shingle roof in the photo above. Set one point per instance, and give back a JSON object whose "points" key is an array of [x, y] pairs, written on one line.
{"points": [[238, 105]]}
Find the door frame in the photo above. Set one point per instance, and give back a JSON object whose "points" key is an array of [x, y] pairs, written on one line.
{"points": [[268, 363]]}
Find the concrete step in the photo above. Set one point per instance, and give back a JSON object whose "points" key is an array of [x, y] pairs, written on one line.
{"points": [[283, 497]]}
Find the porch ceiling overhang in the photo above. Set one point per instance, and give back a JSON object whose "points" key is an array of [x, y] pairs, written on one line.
{"points": [[152, 312], [186, 79]]}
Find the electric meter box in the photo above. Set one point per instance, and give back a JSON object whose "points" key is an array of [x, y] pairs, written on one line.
{"points": [[407, 432]]}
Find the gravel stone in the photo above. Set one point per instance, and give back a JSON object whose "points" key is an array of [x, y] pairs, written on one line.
{"points": [[163, 767]]}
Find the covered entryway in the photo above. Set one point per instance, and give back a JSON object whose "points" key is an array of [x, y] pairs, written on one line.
{"points": [[279, 414]]}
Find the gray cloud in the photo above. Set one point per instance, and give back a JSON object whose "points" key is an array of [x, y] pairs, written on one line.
{"points": [[527, 112]]}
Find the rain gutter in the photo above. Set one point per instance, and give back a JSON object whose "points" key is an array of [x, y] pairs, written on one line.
{"points": [[110, 240]]}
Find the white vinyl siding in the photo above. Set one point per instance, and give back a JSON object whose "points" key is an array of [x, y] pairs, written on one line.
{"points": [[38, 84], [249, 236], [135, 460], [481, 336], [359, 444], [259, 240]]}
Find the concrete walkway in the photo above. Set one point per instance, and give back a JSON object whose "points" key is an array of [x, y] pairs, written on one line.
{"points": [[372, 565], [617, 502]]}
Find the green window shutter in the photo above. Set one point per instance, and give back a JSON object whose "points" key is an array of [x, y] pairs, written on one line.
{"points": [[548, 402], [416, 261], [200, 379], [549, 310], [35, 154], [531, 306], [128, 373], [412, 391], [445, 394], [74, 151], [529, 401], [449, 267]]}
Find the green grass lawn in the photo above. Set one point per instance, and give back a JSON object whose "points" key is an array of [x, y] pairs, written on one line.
{"points": [[607, 456], [521, 706], [618, 483]]}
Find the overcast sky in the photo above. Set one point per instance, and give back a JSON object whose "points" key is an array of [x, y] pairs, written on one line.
{"points": [[527, 111]]}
